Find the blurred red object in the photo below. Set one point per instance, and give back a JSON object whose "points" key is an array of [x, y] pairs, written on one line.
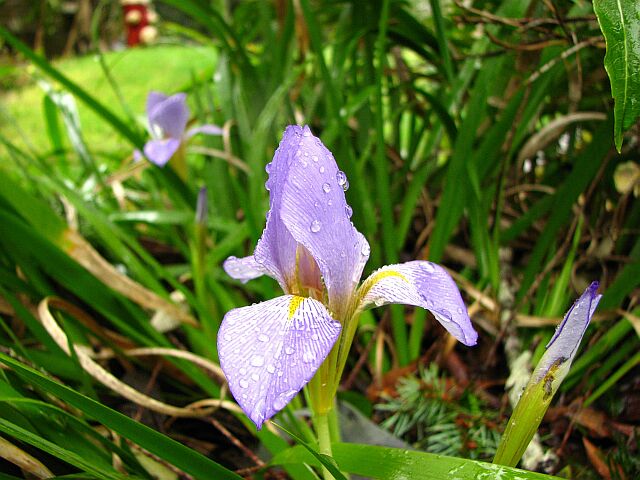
{"points": [[139, 18]]}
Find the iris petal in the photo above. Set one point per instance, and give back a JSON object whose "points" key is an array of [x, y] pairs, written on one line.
{"points": [[243, 269], [276, 249], [160, 151], [315, 211], [564, 343], [269, 351], [423, 284], [170, 114], [153, 100], [206, 129]]}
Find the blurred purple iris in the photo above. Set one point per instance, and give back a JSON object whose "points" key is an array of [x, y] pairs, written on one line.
{"points": [[270, 350], [168, 117]]}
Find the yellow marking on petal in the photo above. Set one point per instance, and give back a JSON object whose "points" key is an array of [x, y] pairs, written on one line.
{"points": [[293, 306], [376, 277]]}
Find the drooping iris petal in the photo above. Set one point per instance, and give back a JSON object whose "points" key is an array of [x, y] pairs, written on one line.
{"points": [[564, 344], [243, 269], [315, 212], [276, 249], [206, 129], [423, 284], [269, 351], [169, 115], [160, 151]]}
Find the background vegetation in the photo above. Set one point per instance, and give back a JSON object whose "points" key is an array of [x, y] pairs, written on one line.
{"points": [[475, 134]]}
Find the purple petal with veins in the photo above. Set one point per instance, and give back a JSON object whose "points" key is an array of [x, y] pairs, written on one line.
{"points": [[269, 351], [276, 249], [423, 284]]}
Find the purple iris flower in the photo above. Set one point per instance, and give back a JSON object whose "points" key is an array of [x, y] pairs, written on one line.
{"points": [[168, 117], [270, 350]]}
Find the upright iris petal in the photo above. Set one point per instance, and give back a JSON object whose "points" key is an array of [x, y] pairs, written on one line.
{"points": [[311, 247]]}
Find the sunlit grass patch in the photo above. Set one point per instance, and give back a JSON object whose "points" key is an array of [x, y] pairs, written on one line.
{"points": [[166, 68]]}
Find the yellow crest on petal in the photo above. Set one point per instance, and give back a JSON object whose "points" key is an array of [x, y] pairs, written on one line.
{"points": [[293, 306], [376, 277]]}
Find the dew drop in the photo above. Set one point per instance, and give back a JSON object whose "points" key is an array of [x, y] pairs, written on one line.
{"points": [[379, 302], [326, 188], [243, 371], [460, 310], [308, 357], [428, 267], [267, 167], [366, 249], [315, 337], [228, 337], [244, 383], [271, 369], [306, 132], [330, 202], [345, 187], [348, 210], [255, 377], [315, 226], [288, 350], [257, 361], [314, 158], [321, 169], [342, 178], [263, 338]]}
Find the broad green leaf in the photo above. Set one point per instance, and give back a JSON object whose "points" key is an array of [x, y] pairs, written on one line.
{"points": [[620, 23], [394, 464]]}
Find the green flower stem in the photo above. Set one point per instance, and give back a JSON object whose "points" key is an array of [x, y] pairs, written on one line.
{"points": [[323, 431], [525, 419]]}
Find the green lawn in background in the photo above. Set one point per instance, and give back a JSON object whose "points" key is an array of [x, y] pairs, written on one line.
{"points": [[166, 68]]}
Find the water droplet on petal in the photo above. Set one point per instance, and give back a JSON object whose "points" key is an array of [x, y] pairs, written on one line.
{"points": [[271, 368], [263, 338], [228, 337], [314, 158], [243, 371], [288, 350], [308, 357], [460, 310], [321, 169], [306, 132], [255, 377], [345, 187], [326, 188], [244, 383], [341, 177], [257, 361], [315, 226], [428, 267], [348, 210], [366, 249], [379, 302], [268, 167]]}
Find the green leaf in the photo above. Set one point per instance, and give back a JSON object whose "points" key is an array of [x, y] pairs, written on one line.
{"points": [[392, 463], [173, 452], [620, 23]]}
